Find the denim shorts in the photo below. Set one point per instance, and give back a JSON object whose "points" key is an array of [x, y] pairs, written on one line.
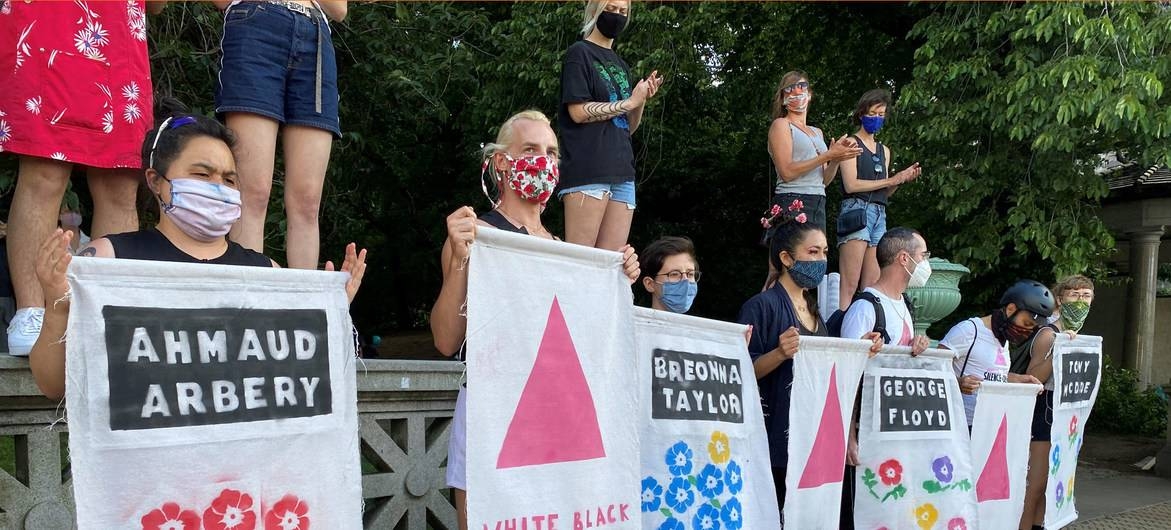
{"points": [[622, 192], [278, 64], [875, 221]]}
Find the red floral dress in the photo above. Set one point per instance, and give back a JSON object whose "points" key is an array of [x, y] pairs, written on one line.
{"points": [[76, 81]]}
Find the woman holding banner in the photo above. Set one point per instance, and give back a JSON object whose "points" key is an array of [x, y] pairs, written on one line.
{"points": [[192, 173], [522, 166], [1074, 295], [779, 316]]}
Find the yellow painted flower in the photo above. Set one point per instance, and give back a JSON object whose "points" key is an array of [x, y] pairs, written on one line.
{"points": [[1069, 485], [926, 515], [719, 448]]}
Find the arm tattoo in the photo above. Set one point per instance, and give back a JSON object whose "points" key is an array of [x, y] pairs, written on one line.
{"points": [[603, 111], [88, 252]]}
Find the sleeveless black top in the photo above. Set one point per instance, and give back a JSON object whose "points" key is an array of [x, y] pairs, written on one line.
{"points": [[497, 220], [866, 163], [152, 245]]}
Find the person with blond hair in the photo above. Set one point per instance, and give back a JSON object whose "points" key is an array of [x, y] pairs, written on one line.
{"points": [[601, 107], [1074, 295], [522, 166]]}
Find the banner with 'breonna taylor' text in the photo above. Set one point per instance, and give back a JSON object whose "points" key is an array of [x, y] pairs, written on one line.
{"points": [[825, 382], [208, 396], [914, 466], [1077, 372], [1001, 430], [705, 461], [551, 386]]}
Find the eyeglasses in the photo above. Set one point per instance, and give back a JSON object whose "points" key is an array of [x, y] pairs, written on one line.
{"points": [[675, 276], [1084, 297], [166, 125], [803, 85], [878, 169]]}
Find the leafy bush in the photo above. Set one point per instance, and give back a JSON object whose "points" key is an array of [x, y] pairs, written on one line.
{"points": [[1124, 409]]}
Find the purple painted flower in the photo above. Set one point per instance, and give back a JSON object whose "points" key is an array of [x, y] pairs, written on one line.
{"points": [[1059, 494], [943, 469]]}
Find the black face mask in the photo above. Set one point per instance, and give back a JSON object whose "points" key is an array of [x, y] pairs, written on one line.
{"points": [[1005, 329], [610, 24]]}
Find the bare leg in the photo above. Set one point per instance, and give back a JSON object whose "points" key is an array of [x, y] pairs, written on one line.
{"points": [[114, 192], [583, 218], [36, 203], [850, 267], [306, 160], [615, 227], [255, 154], [1034, 512], [870, 268], [461, 507]]}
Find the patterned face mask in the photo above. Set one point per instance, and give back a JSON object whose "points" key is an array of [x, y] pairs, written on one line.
{"points": [[533, 177]]}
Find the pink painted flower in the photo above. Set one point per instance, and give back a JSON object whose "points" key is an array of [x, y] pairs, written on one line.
{"points": [[796, 205], [776, 209], [1073, 425], [957, 523], [801, 218]]}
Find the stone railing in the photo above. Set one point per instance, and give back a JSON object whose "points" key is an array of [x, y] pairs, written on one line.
{"points": [[405, 410]]}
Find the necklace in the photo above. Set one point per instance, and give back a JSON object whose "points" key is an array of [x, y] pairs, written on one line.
{"points": [[537, 231]]}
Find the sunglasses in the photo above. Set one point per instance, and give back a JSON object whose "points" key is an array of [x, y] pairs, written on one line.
{"points": [[803, 85], [878, 169]]}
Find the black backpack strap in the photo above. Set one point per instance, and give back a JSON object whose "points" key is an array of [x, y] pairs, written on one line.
{"points": [[975, 333], [879, 314]]}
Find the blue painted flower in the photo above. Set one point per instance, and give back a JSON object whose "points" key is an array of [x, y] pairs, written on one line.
{"points": [[679, 459], [731, 514], [672, 524], [733, 477], [652, 494], [710, 481], [679, 495], [707, 518], [943, 469], [1056, 457]]}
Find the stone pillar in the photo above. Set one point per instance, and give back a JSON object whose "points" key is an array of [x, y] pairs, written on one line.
{"points": [[1139, 346]]}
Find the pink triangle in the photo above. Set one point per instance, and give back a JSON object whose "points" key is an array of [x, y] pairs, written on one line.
{"points": [[1000, 361], [828, 458], [993, 482], [908, 335], [555, 420]]}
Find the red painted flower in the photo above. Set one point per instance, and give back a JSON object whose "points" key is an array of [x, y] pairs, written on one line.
{"points": [[891, 472], [957, 523], [801, 218], [170, 516], [231, 510], [289, 513], [1072, 425]]}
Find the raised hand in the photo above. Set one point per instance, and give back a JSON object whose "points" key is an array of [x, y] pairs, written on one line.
{"points": [[910, 173], [52, 261], [355, 264], [461, 231], [844, 148]]}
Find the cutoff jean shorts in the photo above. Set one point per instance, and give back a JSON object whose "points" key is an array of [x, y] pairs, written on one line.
{"points": [[875, 221], [622, 192]]}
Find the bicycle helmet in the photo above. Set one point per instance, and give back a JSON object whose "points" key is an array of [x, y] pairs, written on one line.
{"points": [[1031, 296]]}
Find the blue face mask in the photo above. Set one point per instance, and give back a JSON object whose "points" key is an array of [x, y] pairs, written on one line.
{"points": [[872, 123], [678, 296], [807, 274]]}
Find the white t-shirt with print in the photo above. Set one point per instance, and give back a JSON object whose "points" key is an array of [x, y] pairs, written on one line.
{"points": [[859, 319], [989, 356]]}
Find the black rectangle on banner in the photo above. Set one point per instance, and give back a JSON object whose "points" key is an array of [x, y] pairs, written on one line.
{"points": [[1079, 376], [693, 386], [184, 367], [912, 404]]}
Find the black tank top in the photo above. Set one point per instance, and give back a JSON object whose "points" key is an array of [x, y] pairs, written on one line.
{"points": [[497, 220], [152, 245], [866, 163]]}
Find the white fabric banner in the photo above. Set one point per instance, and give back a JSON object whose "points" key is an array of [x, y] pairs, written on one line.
{"points": [[1077, 371], [551, 386], [914, 471], [1001, 430], [826, 372], [208, 396], [705, 461]]}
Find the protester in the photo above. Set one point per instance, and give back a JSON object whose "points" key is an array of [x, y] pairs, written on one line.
{"points": [[779, 316], [70, 220], [902, 255], [278, 75], [599, 111], [671, 274], [192, 173], [981, 344], [804, 164], [868, 186], [76, 90], [522, 164], [1074, 296]]}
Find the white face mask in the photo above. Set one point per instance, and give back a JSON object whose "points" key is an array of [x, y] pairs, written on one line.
{"points": [[920, 275]]}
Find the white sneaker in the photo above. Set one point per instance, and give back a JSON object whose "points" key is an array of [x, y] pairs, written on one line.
{"points": [[24, 329]]}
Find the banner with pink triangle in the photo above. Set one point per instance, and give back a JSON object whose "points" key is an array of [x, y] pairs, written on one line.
{"points": [[1001, 429], [551, 389], [915, 470], [1077, 372], [826, 373]]}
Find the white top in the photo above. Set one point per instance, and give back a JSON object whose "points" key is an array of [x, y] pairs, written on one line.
{"points": [[989, 357], [860, 317]]}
